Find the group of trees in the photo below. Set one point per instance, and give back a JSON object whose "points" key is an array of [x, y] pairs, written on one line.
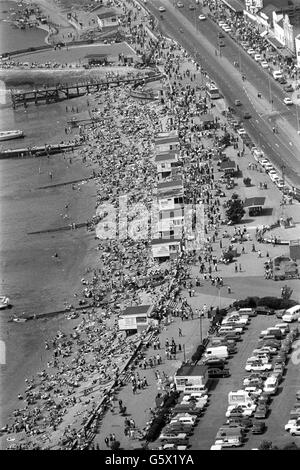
{"points": [[275, 303], [268, 445], [235, 209]]}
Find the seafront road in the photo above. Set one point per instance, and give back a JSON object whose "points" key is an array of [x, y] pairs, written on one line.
{"points": [[200, 43]]}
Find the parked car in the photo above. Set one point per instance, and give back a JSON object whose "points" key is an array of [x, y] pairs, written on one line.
{"points": [[218, 373], [258, 427], [288, 101], [247, 115], [261, 411], [264, 64], [292, 423], [246, 409], [243, 421], [258, 366], [261, 310], [295, 430]]}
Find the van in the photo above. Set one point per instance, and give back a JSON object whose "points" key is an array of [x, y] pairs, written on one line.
{"points": [[284, 327], [220, 352], [239, 397], [291, 314], [248, 311], [277, 74], [271, 385]]}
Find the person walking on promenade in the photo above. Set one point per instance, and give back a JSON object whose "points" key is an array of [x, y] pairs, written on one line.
{"points": [[179, 332], [106, 440]]}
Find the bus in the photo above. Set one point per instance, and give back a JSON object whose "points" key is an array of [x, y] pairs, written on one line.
{"points": [[212, 91]]}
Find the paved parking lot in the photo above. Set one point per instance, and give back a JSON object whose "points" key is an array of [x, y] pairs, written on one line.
{"points": [[214, 417]]}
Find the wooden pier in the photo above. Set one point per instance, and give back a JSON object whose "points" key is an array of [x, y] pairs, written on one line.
{"points": [[65, 92], [39, 151]]}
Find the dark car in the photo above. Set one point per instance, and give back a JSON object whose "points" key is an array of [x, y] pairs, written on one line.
{"points": [[261, 411], [218, 373], [288, 88], [261, 310], [221, 43], [237, 103], [220, 35], [282, 80], [242, 421], [258, 427], [214, 363], [247, 115]]}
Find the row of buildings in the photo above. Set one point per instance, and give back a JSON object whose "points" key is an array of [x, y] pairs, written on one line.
{"points": [[278, 20]]}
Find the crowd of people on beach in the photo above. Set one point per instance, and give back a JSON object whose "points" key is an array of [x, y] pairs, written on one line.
{"points": [[63, 405]]}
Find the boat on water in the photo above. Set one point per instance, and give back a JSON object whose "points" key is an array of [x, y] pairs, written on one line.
{"points": [[19, 320], [4, 302], [9, 135]]}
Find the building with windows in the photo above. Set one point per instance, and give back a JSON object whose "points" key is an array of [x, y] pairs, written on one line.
{"points": [[165, 248], [167, 141], [171, 223], [107, 19], [191, 376], [253, 6], [135, 319], [286, 23], [167, 164]]}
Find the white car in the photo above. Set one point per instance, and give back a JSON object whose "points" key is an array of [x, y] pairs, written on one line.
{"points": [[287, 101], [236, 319], [241, 131], [251, 51], [162, 9], [269, 167], [264, 162], [264, 64], [255, 391], [221, 23], [273, 176], [258, 366], [295, 430], [266, 349], [202, 17], [292, 423], [279, 183], [226, 28], [180, 5], [257, 57]]}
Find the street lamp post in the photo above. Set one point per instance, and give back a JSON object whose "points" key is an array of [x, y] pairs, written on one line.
{"points": [[297, 116], [270, 92], [240, 62], [200, 318]]}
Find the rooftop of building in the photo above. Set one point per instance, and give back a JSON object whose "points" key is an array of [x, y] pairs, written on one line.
{"points": [[139, 309], [188, 370]]}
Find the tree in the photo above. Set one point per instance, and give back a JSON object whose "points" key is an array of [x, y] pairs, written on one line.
{"points": [[235, 211], [265, 445], [115, 445], [286, 292], [247, 181]]}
